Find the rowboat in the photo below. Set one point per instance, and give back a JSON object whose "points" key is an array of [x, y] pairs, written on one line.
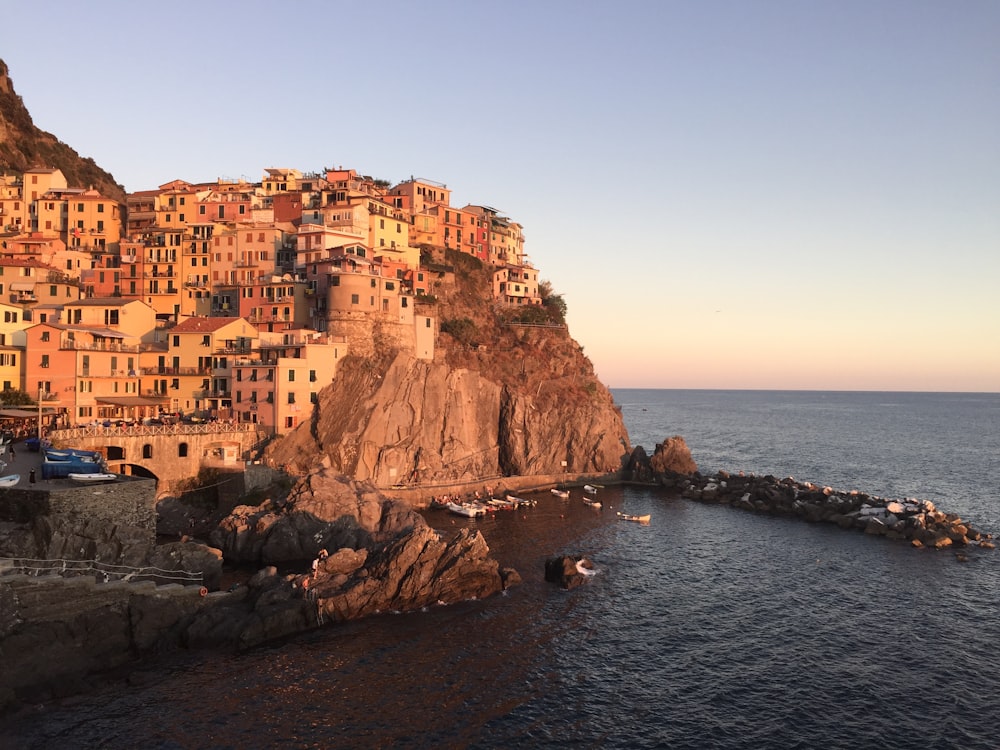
{"points": [[10, 480], [563, 494], [469, 511], [497, 504], [91, 478], [520, 501], [590, 488], [630, 517], [592, 503]]}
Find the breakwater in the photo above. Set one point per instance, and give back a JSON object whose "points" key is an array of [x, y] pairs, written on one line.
{"points": [[918, 522]]}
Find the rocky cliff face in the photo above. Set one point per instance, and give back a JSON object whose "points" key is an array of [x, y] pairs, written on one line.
{"points": [[507, 400], [24, 146]]}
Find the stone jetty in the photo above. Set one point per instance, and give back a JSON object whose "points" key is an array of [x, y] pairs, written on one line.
{"points": [[918, 522]]}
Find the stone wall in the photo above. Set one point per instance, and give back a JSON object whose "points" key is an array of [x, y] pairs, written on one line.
{"points": [[130, 501]]}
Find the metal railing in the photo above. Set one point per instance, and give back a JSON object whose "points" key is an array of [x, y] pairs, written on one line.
{"points": [[105, 572]]}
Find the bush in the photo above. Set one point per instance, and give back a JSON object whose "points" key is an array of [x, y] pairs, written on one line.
{"points": [[463, 330]]}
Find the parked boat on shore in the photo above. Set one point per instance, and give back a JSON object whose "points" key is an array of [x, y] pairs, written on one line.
{"points": [[10, 480], [92, 478]]}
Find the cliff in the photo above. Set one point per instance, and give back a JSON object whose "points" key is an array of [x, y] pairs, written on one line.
{"points": [[500, 398], [24, 146]]}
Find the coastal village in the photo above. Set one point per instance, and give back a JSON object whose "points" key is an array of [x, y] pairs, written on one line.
{"points": [[227, 300]]}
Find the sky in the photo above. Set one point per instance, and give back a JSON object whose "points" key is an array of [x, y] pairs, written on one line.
{"points": [[752, 194]]}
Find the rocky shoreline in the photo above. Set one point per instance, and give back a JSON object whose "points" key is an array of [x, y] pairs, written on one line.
{"points": [[917, 522]]}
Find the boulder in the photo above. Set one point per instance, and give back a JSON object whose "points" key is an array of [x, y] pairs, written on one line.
{"points": [[673, 456], [568, 570]]}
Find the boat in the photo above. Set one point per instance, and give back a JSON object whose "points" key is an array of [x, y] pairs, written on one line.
{"points": [[89, 478], [520, 501], [497, 504], [592, 503], [631, 517], [469, 511], [563, 494], [590, 488], [10, 480]]}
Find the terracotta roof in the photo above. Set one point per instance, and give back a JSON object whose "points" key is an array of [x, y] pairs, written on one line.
{"points": [[202, 325]]}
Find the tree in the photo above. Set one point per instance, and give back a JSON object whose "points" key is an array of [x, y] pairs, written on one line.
{"points": [[553, 303], [15, 397]]}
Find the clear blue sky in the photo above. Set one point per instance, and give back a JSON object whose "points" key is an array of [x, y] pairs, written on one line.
{"points": [[738, 194]]}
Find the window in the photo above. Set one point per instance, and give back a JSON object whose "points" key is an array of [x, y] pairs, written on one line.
{"points": [[291, 397], [45, 360], [291, 377], [354, 299], [206, 340], [147, 451], [289, 422], [45, 335], [111, 317], [314, 398], [182, 450], [312, 376]]}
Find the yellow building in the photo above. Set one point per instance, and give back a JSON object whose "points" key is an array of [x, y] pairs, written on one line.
{"points": [[196, 370], [12, 346]]}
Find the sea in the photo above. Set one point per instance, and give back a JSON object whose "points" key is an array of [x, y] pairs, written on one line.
{"points": [[708, 628]]}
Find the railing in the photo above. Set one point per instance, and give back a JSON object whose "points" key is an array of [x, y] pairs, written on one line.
{"points": [[176, 370], [201, 428], [104, 346], [102, 571]]}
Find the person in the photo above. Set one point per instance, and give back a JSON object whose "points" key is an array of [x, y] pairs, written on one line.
{"points": [[13, 453], [31, 476]]}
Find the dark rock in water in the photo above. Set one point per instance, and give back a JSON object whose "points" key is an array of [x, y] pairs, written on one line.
{"points": [[672, 456], [566, 570]]}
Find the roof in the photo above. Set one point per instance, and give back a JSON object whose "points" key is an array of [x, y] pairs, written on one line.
{"points": [[202, 325]]}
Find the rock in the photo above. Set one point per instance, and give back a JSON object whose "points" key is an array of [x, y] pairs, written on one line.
{"points": [[673, 456], [567, 571], [189, 557], [405, 419]]}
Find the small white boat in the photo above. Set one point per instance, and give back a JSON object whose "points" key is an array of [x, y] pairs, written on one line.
{"points": [[592, 503], [630, 517], [590, 488], [10, 480], [563, 494], [90, 478], [520, 501], [469, 511]]}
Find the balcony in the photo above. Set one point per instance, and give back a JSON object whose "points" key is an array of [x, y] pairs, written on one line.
{"points": [[176, 370]]}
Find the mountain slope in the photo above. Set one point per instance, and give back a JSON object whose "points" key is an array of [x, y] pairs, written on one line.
{"points": [[23, 146]]}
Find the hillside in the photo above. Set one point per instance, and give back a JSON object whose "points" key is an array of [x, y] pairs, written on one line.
{"points": [[23, 146], [498, 400]]}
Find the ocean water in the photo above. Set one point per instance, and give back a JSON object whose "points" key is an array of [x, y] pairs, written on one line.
{"points": [[708, 628]]}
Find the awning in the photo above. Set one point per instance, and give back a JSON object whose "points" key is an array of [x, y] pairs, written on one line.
{"points": [[20, 286], [26, 413], [133, 400]]}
